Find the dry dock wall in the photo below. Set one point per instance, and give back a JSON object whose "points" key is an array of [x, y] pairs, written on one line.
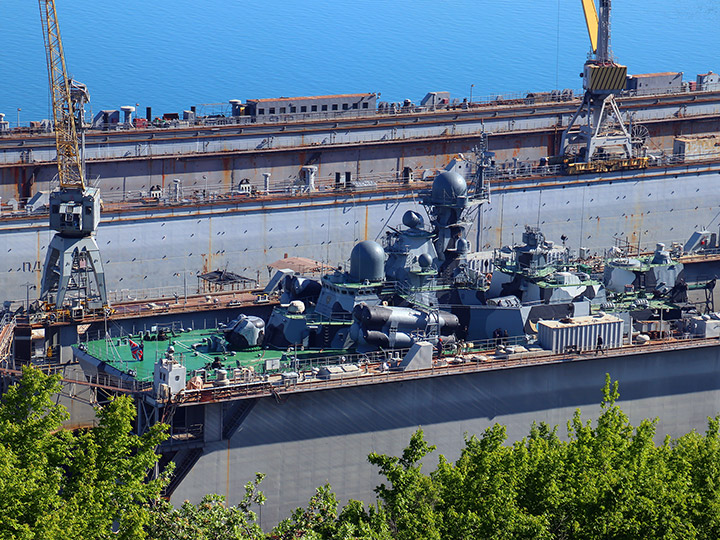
{"points": [[149, 250], [131, 161], [305, 440]]}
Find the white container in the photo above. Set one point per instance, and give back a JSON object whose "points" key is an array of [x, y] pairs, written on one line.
{"points": [[580, 333]]}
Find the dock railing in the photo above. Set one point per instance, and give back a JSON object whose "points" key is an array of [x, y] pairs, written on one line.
{"points": [[451, 365]]}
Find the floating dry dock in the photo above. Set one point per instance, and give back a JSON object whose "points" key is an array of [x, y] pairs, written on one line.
{"points": [[308, 427]]}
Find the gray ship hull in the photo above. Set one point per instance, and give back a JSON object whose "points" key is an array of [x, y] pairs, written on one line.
{"points": [[158, 251]]}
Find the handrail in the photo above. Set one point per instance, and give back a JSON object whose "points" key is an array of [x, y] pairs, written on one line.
{"points": [[468, 363]]}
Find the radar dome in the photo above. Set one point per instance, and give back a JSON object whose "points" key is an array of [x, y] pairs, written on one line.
{"points": [[424, 261], [448, 186], [462, 246], [412, 219], [367, 262]]}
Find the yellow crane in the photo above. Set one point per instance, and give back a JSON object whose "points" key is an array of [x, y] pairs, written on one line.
{"points": [[70, 170], [73, 275], [592, 22], [596, 138]]}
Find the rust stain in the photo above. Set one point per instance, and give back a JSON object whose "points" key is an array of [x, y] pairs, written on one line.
{"points": [[367, 219], [210, 248], [551, 143], [227, 169], [227, 472]]}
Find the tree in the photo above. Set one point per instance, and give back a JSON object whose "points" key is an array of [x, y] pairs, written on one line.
{"points": [[211, 519], [318, 520], [606, 481], [59, 484]]}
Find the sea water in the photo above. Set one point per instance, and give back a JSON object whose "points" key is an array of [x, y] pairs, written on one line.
{"points": [[172, 54]]}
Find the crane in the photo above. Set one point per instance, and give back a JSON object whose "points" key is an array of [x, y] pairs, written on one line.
{"points": [[602, 142], [73, 272], [70, 171]]}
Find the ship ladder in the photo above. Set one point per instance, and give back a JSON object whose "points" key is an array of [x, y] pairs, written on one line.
{"points": [[239, 413], [326, 335], [7, 331]]}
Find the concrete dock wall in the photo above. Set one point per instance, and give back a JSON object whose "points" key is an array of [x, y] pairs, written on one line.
{"points": [[151, 249], [218, 158]]}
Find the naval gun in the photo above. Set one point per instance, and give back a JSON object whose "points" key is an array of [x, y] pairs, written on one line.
{"points": [[602, 142], [73, 274]]}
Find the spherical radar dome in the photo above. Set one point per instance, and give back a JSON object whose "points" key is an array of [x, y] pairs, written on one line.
{"points": [[367, 262], [425, 260], [448, 186]]}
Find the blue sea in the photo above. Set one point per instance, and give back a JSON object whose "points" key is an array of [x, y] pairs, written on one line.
{"points": [[172, 54]]}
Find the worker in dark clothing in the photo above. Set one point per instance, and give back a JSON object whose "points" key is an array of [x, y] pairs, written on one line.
{"points": [[599, 346]]}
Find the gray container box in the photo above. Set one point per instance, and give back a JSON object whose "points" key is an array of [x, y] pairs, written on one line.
{"points": [[580, 333]]}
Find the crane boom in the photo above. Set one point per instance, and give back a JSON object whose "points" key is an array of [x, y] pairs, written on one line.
{"points": [[70, 170], [592, 22], [73, 273]]}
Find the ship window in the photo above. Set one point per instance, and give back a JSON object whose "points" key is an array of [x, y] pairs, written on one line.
{"points": [[313, 108], [335, 107], [88, 210], [303, 108], [261, 111], [355, 106], [324, 107], [283, 110], [272, 110], [345, 106], [293, 109], [365, 105]]}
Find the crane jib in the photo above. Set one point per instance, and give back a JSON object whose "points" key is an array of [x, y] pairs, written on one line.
{"points": [[592, 21], [70, 171]]}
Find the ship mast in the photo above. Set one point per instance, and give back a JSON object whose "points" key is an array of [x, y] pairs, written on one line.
{"points": [[73, 273]]}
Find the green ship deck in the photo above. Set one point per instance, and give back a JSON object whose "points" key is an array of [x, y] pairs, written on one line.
{"points": [[195, 350]]}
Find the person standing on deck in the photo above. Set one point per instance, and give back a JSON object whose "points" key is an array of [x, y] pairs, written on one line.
{"points": [[599, 346]]}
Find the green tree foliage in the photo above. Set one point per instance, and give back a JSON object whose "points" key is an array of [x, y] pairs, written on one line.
{"points": [[607, 480], [209, 520], [318, 520], [90, 484]]}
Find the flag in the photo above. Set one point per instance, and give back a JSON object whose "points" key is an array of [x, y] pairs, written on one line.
{"points": [[136, 350]]}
